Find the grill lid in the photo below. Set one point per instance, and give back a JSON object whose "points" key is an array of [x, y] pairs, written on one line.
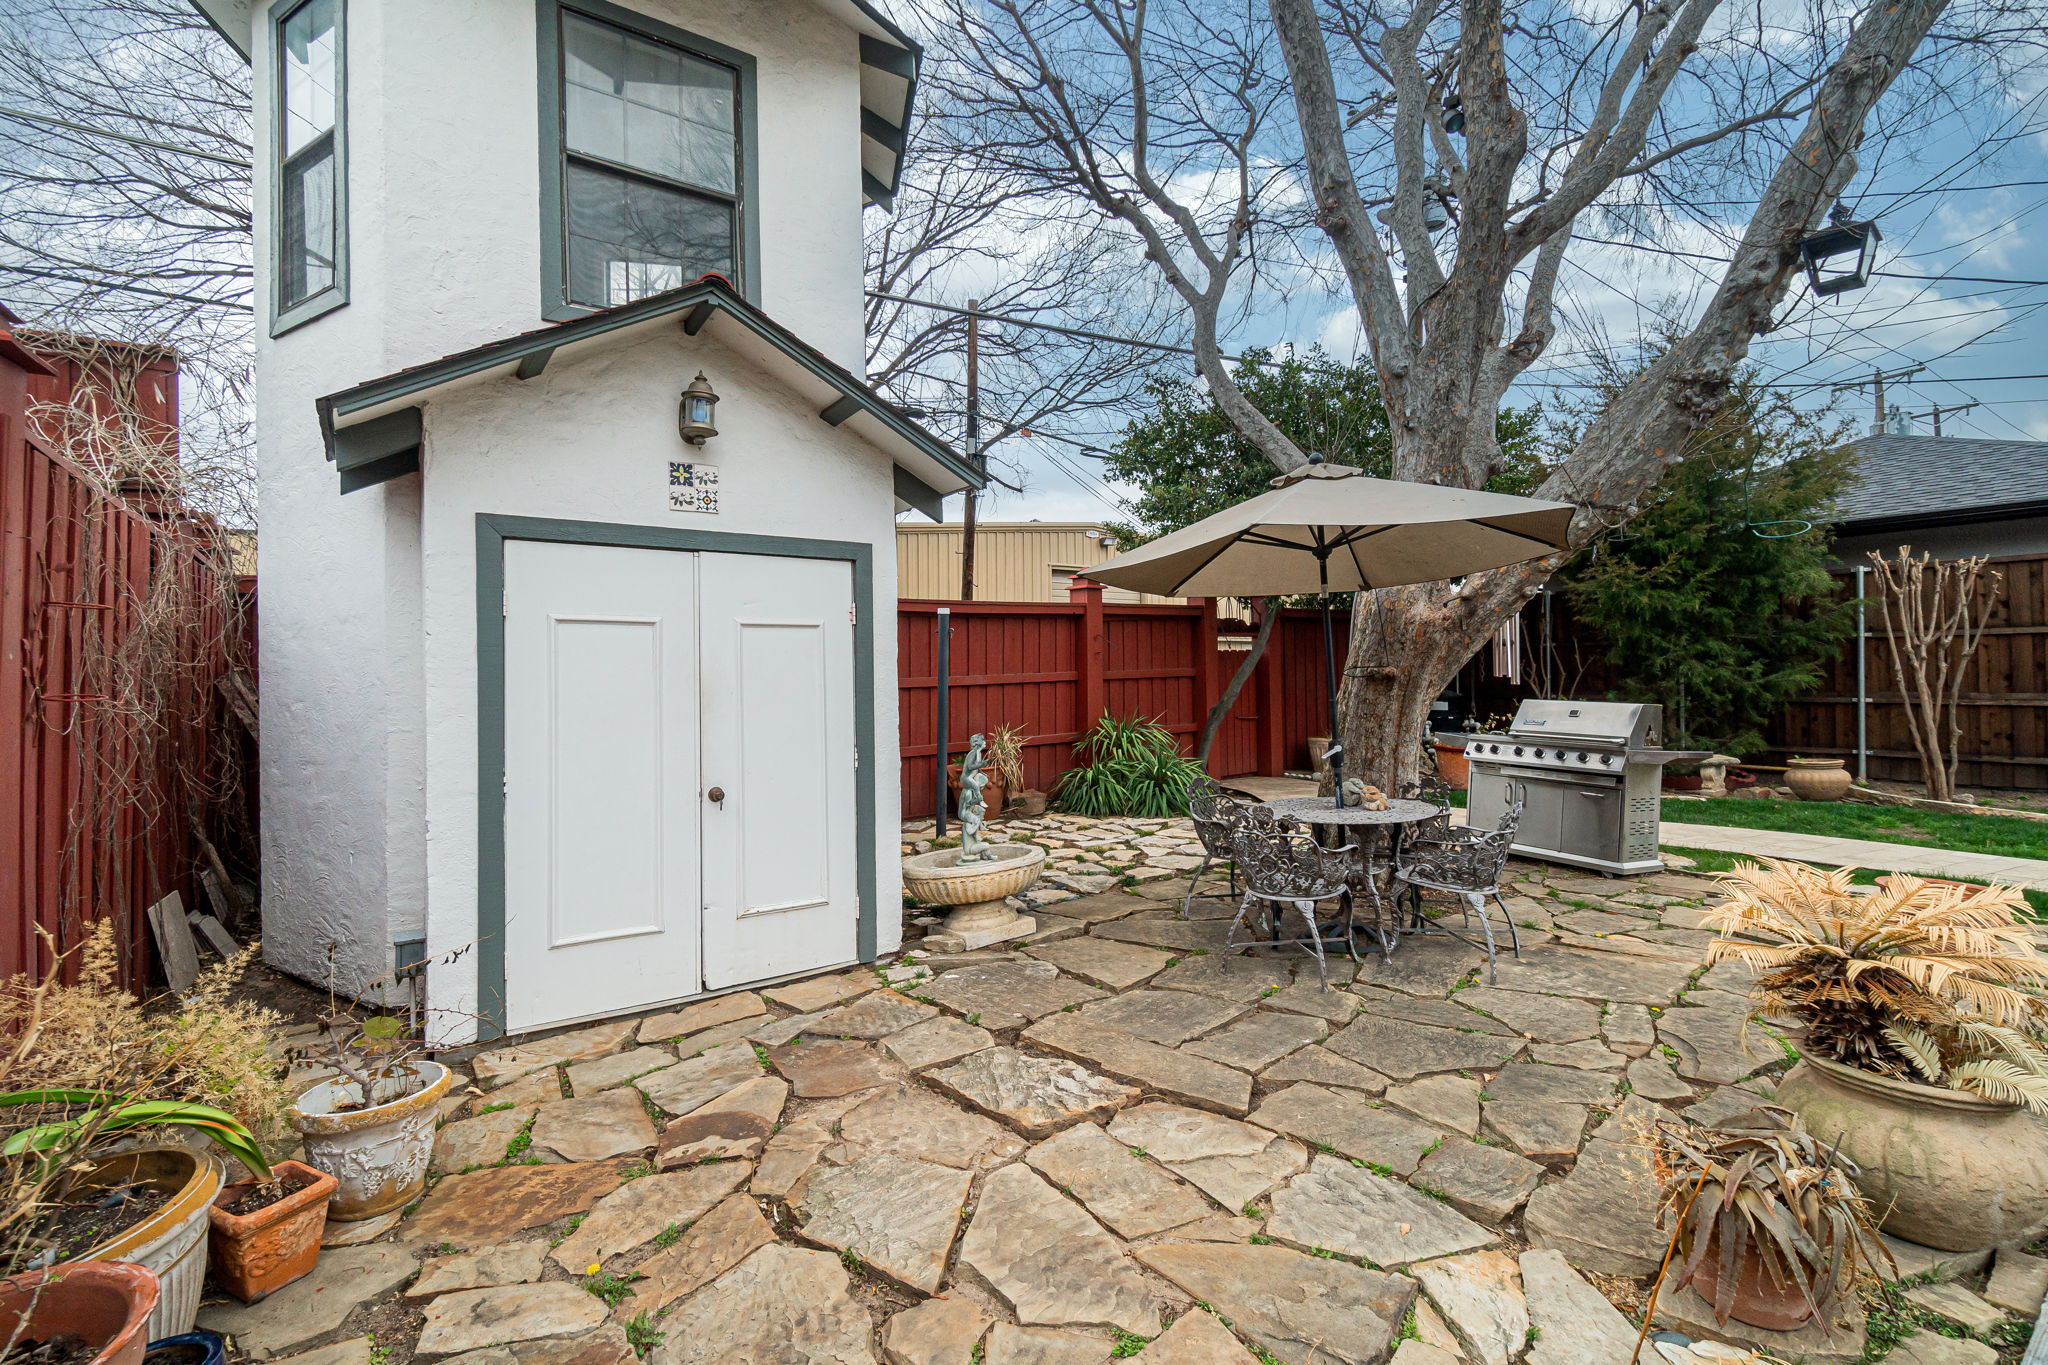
{"points": [[1636, 725]]}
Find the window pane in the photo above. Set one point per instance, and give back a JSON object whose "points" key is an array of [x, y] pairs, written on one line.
{"points": [[306, 252], [628, 239], [648, 105], [308, 73]]}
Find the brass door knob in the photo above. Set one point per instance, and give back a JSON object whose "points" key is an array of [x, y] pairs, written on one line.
{"points": [[717, 794]]}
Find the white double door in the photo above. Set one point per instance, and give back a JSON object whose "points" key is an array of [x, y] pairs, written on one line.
{"points": [[679, 774]]}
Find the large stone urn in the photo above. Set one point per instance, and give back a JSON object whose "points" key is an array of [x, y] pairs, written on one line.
{"points": [[979, 893], [1954, 1170], [1817, 779]]}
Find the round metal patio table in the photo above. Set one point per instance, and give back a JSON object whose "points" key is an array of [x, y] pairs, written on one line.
{"points": [[1324, 811]]}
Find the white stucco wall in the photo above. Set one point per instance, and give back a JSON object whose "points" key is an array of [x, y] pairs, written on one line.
{"points": [[444, 241], [591, 440]]}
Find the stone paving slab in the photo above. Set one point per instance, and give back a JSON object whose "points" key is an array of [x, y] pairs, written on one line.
{"points": [[1050, 1262], [1295, 1307], [1339, 1207], [1347, 1125], [342, 1280], [1037, 1096], [1166, 1071], [1120, 1185], [1403, 1050]]}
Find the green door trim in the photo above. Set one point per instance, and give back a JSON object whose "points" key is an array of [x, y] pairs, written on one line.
{"points": [[491, 534]]}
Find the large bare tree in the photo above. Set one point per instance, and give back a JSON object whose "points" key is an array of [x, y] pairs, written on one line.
{"points": [[125, 206], [1448, 152]]}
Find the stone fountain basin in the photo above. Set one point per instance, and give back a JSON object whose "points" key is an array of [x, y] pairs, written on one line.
{"points": [[940, 878]]}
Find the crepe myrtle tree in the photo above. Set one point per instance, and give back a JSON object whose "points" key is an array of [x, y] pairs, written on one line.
{"points": [[1437, 159]]}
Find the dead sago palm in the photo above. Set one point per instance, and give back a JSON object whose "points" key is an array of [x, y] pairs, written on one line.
{"points": [[1935, 983]]}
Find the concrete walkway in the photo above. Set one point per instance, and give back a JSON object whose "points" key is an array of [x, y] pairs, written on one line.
{"points": [[1817, 848]]}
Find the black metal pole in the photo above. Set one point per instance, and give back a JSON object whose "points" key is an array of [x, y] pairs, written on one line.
{"points": [[1330, 678], [945, 688]]}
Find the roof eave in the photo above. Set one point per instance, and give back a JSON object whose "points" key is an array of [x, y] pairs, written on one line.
{"points": [[230, 19], [1954, 516], [936, 467]]}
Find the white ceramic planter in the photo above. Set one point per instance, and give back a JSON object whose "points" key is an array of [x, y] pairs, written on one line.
{"points": [[377, 1156], [172, 1242]]}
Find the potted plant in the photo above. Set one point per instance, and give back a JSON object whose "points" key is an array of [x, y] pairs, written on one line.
{"points": [[106, 1304], [144, 1204], [1767, 1224], [371, 1124], [1451, 764], [1128, 767], [1683, 777], [1817, 779], [266, 1233], [1922, 1012]]}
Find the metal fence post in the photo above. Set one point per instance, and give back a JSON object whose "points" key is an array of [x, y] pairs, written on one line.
{"points": [[1862, 686]]}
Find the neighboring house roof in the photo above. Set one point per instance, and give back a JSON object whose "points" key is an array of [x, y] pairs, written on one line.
{"points": [[1904, 482], [889, 60], [372, 430]]}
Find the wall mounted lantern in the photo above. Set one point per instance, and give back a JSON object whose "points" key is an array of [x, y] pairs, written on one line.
{"points": [[693, 416], [1838, 257]]}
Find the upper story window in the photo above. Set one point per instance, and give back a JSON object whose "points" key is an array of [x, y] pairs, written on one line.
{"points": [[649, 162], [311, 263]]}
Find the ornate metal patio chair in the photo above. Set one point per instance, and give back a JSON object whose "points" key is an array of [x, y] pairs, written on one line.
{"points": [[1217, 816], [1466, 863], [1284, 866]]}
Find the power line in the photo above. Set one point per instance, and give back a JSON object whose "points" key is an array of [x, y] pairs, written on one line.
{"points": [[239, 163], [1080, 332]]}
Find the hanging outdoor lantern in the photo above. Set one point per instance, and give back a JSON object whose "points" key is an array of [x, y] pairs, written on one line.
{"points": [[693, 417], [1839, 256]]}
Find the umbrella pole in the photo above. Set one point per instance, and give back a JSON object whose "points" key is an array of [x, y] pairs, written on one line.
{"points": [[1330, 678]]}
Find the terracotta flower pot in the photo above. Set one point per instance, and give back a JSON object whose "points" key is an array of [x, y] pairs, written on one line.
{"points": [[378, 1156], [257, 1254], [992, 796], [106, 1302], [1452, 765], [1760, 1300], [1817, 779], [1948, 1169], [1683, 782], [170, 1243]]}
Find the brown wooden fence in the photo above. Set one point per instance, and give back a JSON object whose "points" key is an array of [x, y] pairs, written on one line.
{"points": [[2004, 710], [1053, 668], [117, 617]]}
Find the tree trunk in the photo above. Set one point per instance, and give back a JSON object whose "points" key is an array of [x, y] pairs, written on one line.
{"points": [[1269, 612], [1407, 644]]}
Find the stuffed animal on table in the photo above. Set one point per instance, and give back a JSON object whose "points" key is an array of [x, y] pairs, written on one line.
{"points": [[1363, 795]]}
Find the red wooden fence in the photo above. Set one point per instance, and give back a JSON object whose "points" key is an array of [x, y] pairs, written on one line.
{"points": [[1051, 668], [116, 619]]}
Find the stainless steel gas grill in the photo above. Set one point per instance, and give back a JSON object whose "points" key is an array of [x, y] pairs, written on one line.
{"points": [[1589, 775]]}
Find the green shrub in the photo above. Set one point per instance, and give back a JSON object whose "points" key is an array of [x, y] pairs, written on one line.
{"points": [[1129, 767]]}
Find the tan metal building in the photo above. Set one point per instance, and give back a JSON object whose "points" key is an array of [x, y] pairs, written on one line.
{"points": [[1014, 561]]}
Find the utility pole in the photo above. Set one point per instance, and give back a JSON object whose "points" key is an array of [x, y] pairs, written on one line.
{"points": [[973, 446], [1937, 410], [1878, 379]]}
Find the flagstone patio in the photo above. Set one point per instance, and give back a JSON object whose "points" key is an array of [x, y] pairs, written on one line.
{"points": [[1046, 1153]]}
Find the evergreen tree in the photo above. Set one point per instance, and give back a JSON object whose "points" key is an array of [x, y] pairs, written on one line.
{"points": [[1717, 602]]}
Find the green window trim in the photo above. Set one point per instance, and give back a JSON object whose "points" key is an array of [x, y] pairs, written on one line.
{"points": [[284, 317], [492, 531], [554, 247]]}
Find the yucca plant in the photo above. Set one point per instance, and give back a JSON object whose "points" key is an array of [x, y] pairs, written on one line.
{"points": [[1006, 756], [1921, 980], [1129, 767], [1759, 1185]]}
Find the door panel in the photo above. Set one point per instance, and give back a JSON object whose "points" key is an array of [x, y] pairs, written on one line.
{"points": [[602, 869], [780, 882]]}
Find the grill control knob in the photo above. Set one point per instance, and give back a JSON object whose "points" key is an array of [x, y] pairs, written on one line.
{"points": [[1607, 758], [1584, 756], [1518, 751]]}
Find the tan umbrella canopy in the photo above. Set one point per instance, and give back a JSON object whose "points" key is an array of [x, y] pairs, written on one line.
{"points": [[1332, 528]]}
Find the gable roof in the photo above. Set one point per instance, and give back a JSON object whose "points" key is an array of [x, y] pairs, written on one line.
{"points": [[372, 430], [889, 59], [1910, 481]]}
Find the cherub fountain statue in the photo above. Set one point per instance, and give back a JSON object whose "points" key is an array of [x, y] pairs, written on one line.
{"points": [[978, 878]]}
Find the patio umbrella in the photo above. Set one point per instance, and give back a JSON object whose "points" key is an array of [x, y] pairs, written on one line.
{"points": [[1332, 528]]}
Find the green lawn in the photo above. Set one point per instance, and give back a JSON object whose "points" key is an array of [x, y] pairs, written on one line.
{"points": [[2001, 836], [1712, 860]]}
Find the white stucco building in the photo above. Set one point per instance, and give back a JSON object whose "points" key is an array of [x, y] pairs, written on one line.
{"points": [[587, 716]]}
